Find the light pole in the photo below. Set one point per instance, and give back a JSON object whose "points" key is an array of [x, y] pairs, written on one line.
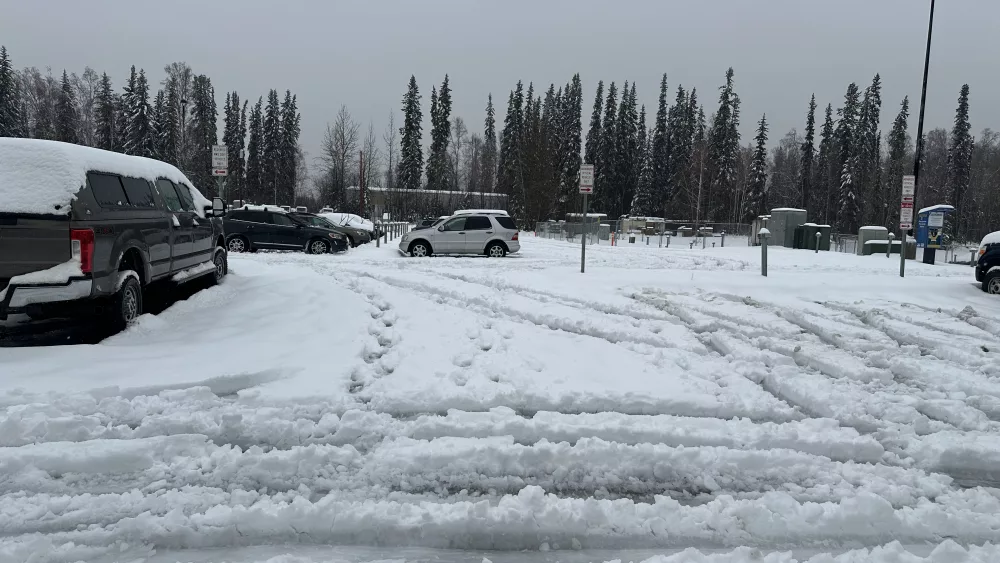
{"points": [[920, 137]]}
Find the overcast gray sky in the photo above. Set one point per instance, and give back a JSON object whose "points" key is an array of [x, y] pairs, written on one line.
{"points": [[361, 53]]}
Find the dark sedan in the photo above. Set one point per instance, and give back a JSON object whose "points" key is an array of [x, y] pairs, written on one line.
{"points": [[248, 230]]}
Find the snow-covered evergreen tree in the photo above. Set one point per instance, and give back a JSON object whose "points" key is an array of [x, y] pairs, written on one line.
{"points": [[437, 159], [680, 131], [896, 164], [571, 130], [10, 102], [624, 174], [869, 152], [203, 133], [960, 163], [756, 199], [234, 145], [607, 163], [168, 127], [808, 156], [660, 155], [139, 135], [591, 153], [645, 201], [723, 153], [289, 144], [411, 156], [66, 117], [271, 149], [510, 171], [254, 181], [488, 168], [826, 164], [848, 149], [159, 122], [124, 103]]}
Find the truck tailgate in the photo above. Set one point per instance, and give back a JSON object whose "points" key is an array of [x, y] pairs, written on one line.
{"points": [[29, 243]]}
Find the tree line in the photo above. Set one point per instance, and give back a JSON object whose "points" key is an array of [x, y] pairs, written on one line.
{"points": [[176, 124]]}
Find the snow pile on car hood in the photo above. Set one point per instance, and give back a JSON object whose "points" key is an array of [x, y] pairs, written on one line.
{"points": [[992, 238], [44, 176], [349, 220]]}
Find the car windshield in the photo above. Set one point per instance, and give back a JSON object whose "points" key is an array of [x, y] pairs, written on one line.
{"points": [[713, 282]]}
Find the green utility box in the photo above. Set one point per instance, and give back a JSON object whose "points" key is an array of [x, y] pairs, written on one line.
{"points": [[805, 236]]}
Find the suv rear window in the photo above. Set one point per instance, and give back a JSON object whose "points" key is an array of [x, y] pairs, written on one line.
{"points": [[138, 192], [506, 222], [107, 189]]}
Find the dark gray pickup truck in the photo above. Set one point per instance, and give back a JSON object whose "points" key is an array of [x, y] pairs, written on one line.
{"points": [[84, 231]]}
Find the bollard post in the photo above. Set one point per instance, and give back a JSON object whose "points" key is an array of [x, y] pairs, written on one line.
{"points": [[647, 241], [763, 234], [713, 244], [668, 241], [385, 234], [888, 249], [818, 236], [723, 245], [902, 254], [691, 246], [703, 241]]}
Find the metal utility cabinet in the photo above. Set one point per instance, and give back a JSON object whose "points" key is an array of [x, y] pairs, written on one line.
{"points": [[782, 225]]}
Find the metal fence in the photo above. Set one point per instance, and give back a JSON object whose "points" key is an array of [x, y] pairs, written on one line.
{"points": [[629, 232]]}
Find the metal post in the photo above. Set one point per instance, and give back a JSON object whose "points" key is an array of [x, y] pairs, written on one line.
{"points": [[902, 255], [378, 239], [763, 254], [583, 237], [818, 236], [723, 245], [703, 241], [888, 249], [920, 137]]}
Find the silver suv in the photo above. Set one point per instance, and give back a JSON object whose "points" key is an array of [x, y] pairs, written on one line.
{"points": [[492, 233]]}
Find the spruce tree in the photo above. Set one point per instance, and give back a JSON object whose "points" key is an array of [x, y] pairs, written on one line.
{"points": [[756, 198], [571, 136], [10, 103], [644, 203], [679, 142], [437, 159], [241, 159], [139, 127], [868, 143], [591, 153], [159, 123], [723, 152], [960, 163], [168, 128], [624, 173], [411, 156], [823, 180], [899, 146], [659, 156], [104, 114], [271, 150], [848, 150], [123, 114], [808, 155], [203, 133], [66, 117], [234, 144], [510, 171], [254, 182], [289, 145], [607, 164], [489, 154]]}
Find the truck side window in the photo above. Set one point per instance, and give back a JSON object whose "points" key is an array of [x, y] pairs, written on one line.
{"points": [[185, 194], [139, 193], [169, 194], [107, 189]]}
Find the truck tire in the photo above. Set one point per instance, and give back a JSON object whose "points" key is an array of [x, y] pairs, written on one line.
{"points": [[126, 304], [991, 283]]}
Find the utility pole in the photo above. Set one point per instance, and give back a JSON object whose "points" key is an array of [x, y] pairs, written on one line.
{"points": [[361, 186], [920, 137]]}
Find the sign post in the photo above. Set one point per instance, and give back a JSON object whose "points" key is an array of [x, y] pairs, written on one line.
{"points": [[586, 188], [220, 168], [905, 218]]}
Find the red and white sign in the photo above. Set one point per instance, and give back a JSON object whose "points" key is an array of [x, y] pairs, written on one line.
{"points": [[906, 205], [586, 178], [220, 172]]}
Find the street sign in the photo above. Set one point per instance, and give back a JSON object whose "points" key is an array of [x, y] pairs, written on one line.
{"points": [[905, 226], [935, 220], [586, 178], [220, 172], [906, 215], [220, 157], [909, 186], [906, 205]]}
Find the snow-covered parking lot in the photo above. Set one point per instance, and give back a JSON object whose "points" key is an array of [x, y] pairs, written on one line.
{"points": [[666, 399]]}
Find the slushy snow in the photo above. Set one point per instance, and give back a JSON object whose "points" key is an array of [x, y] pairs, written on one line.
{"points": [[671, 405]]}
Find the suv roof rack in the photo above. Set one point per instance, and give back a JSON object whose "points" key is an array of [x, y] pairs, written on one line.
{"points": [[481, 212]]}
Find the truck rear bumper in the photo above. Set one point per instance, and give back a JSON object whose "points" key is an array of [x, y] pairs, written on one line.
{"points": [[15, 298]]}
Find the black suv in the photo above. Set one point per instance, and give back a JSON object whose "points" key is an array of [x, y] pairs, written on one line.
{"points": [[988, 266], [84, 231], [251, 229]]}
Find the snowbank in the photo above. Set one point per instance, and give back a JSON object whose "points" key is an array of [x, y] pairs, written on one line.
{"points": [[43, 177]]}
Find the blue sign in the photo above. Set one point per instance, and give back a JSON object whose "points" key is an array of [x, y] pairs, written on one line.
{"points": [[922, 231]]}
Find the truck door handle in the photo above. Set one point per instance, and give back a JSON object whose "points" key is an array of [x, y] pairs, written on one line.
{"points": [[489, 232], [462, 233]]}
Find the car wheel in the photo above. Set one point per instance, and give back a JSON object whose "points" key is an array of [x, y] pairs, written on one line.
{"points": [[420, 249], [238, 244], [317, 246], [991, 284], [126, 305], [496, 250], [221, 266]]}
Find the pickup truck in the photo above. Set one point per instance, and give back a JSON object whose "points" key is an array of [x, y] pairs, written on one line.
{"points": [[84, 231]]}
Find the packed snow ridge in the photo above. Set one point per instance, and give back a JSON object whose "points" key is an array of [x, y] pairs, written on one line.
{"points": [[670, 400]]}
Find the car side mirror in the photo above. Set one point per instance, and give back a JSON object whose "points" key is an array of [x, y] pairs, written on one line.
{"points": [[218, 207], [441, 228]]}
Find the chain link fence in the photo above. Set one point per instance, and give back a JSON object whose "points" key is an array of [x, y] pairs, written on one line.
{"points": [[645, 232]]}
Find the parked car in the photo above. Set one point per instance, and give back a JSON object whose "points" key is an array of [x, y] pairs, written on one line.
{"points": [[358, 230], [492, 234], [988, 265], [302, 209], [85, 231], [252, 228], [323, 223]]}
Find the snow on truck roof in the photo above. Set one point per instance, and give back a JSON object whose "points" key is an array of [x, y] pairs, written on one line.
{"points": [[43, 177], [992, 238]]}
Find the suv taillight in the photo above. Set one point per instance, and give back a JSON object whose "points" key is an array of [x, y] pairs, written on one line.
{"points": [[514, 237], [82, 244]]}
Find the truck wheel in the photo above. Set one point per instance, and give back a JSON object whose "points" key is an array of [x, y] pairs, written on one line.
{"points": [[126, 305], [221, 266], [991, 283]]}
